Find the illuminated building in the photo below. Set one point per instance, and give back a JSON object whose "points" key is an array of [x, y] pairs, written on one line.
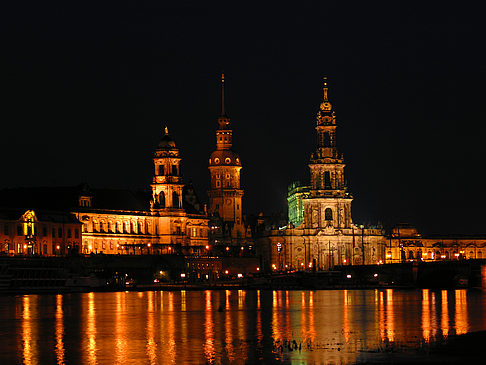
{"points": [[167, 220], [46, 233], [225, 194], [406, 244], [321, 233]]}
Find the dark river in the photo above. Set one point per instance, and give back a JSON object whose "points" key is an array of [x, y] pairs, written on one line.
{"points": [[233, 326]]}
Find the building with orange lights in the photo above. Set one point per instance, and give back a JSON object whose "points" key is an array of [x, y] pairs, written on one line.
{"points": [[227, 223], [168, 219], [321, 233], [406, 244]]}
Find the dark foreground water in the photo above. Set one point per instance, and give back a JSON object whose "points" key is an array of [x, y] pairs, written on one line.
{"points": [[234, 326]]}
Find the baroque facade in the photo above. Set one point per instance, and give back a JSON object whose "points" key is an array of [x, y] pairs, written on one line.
{"points": [[321, 233], [169, 219]]}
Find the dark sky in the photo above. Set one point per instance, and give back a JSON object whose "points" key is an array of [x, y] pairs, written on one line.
{"points": [[88, 87]]}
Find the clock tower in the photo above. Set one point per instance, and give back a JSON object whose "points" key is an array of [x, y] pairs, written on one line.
{"points": [[225, 194]]}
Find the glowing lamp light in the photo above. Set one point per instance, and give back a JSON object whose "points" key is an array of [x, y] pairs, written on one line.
{"points": [[344, 261], [310, 264], [90, 248], [117, 245], [424, 254], [57, 247], [242, 248], [375, 275], [25, 246], [240, 276], [442, 256], [258, 269], [160, 272], [183, 275], [380, 262], [456, 254], [348, 276], [227, 248], [226, 272], [149, 245], [207, 276], [388, 255], [302, 264], [207, 247]]}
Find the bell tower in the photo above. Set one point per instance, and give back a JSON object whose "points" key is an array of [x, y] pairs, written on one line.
{"points": [[328, 202], [167, 181], [225, 194]]}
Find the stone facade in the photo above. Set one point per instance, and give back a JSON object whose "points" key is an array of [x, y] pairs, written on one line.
{"points": [[46, 233], [225, 194], [321, 233], [406, 244]]}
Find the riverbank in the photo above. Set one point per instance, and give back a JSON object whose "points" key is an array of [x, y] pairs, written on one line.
{"points": [[455, 349]]}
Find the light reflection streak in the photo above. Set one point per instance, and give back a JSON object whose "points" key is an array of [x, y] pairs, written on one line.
{"points": [[390, 332], [59, 326], [183, 300], [171, 329], [444, 318], [258, 300], [382, 317], [346, 317], [461, 311], [91, 329], [29, 337], [209, 350], [120, 328], [312, 329], [275, 316], [425, 315], [228, 330], [151, 344]]}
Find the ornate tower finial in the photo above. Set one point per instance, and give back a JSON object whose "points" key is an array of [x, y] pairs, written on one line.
{"points": [[325, 105], [222, 94], [166, 130], [325, 88]]}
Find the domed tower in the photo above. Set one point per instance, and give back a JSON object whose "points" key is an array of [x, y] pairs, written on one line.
{"points": [[328, 202], [167, 182], [225, 194]]}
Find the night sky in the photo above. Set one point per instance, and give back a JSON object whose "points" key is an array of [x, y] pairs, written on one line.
{"points": [[88, 88]]}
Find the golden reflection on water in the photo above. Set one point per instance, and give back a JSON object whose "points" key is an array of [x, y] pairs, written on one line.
{"points": [[121, 336], [151, 343], [237, 326], [91, 329], [461, 311], [29, 330], [444, 318], [209, 350], [59, 328], [389, 317], [425, 314]]}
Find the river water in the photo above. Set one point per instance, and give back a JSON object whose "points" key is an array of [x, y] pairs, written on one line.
{"points": [[232, 326]]}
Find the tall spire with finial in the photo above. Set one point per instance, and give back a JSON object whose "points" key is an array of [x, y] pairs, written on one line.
{"points": [[222, 94], [166, 130]]}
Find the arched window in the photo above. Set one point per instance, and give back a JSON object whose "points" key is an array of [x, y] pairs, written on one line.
{"points": [[328, 214], [327, 180], [410, 255], [327, 140], [480, 254], [161, 169], [162, 199], [174, 170], [175, 200], [437, 255]]}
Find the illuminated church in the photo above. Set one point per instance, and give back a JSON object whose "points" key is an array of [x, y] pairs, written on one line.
{"points": [[321, 233]]}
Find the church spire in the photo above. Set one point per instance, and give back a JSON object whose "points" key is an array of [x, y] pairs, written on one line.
{"points": [[222, 95], [325, 105]]}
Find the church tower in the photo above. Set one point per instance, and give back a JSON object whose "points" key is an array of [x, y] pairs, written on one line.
{"points": [[167, 182], [225, 193], [328, 203]]}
